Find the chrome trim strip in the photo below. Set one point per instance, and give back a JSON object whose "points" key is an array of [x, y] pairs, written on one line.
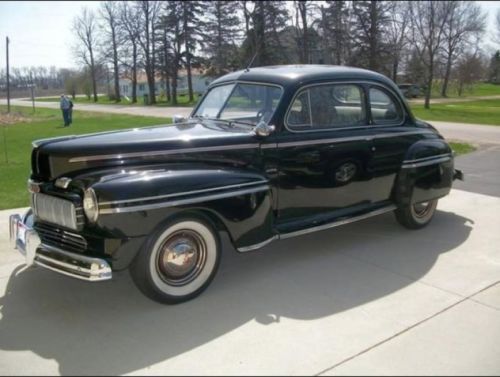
{"points": [[403, 133], [161, 153], [269, 146], [425, 163], [244, 249], [145, 207], [353, 138], [380, 211], [426, 158], [182, 193]]}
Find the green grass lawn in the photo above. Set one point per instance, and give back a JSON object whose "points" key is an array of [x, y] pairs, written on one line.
{"points": [[43, 124], [461, 148], [476, 90], [182, 101], [480, 112]]}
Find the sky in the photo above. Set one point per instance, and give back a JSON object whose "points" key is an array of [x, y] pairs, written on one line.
{"points": [[40, 31]]}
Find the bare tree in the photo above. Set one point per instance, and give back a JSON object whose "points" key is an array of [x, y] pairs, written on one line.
{"points": [[428, 19], [129, 27], [397, 33], [148, 12], [110, 15], [303, 12], [464, 24], [372, 19], [470, 69], [497, 24], [85, 28]]}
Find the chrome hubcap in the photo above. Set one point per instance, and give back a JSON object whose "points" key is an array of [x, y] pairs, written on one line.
{"points": [[422, 209], [181, 258], [345, 172]]}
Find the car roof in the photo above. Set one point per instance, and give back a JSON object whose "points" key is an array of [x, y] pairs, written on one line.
{"points": [[286, 75]]}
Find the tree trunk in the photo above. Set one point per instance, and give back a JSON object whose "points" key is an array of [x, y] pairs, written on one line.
{"points": [[395, 65], [373, 58], [188, 58], [444, 89], [134, 72], [429, 85], [305, 32], [92, 72], [115, 67], [174, 83]]}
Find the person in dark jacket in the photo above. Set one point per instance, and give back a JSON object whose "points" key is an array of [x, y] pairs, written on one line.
{"points": [[65, 106], [70, 112]]}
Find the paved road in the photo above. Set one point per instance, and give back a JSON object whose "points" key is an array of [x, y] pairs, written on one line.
{"points": [[474, 133], [366, 298], [482, 170], [455, 131], [154, 111]]}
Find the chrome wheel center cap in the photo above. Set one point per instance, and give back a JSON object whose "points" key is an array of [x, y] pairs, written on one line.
{"points": [[179, 256]]}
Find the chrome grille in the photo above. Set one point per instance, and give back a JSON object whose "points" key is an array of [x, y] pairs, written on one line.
{"points": [[60, 238], [54, 210]]}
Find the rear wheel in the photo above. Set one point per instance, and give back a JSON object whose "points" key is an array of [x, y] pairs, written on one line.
{"points": [[178, 262], [418, 215]]}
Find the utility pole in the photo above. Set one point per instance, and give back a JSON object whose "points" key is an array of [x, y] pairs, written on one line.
{"points": [[8, 82], [32, 86]]}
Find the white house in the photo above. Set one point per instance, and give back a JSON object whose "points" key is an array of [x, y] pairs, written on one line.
{"points": [[200, 84]]}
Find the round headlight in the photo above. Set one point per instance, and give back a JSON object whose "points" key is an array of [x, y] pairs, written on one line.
{"points": [[90, 205]]}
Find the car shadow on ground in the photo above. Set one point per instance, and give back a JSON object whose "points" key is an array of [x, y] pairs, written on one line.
{"points": [[110, 328]]}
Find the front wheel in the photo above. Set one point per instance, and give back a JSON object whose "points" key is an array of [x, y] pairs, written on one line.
{"points": [[418, 215], [178, 262]]}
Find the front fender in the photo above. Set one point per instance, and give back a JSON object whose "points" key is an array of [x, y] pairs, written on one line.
{"points": [[133, 202]]}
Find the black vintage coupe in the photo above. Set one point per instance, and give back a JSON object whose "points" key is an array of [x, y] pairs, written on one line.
{"points": [[268, 153]]}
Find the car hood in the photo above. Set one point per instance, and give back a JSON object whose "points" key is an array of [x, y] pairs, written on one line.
{"points": [[55, 157]]}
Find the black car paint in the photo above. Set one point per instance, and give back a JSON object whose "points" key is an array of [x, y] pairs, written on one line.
{"points": [[202, 155]]}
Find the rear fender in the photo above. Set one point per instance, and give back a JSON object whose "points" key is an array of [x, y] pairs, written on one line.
{"points": [[426, 172]]}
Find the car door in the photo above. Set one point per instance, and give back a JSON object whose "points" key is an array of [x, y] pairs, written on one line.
{"points": [[324, 155], [393, 133]]}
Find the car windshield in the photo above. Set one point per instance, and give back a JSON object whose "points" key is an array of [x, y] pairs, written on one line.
{"points": [[240, 102]]}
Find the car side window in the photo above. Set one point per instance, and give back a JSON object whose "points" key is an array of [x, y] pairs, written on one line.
{"points": [[300, 112], [327, 107], [384, 108]]}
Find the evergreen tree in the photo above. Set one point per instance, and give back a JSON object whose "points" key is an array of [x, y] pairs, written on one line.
{"points": [[222, 30]]}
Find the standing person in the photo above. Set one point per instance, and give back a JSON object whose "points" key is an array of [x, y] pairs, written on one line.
{"points": [[70, 111], [64, 105]]}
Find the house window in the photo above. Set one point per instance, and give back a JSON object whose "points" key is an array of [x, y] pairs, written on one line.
{"points": [[141, 87]]}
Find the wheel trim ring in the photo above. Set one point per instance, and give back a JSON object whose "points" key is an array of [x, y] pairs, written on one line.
{"points": [[193, 273]]}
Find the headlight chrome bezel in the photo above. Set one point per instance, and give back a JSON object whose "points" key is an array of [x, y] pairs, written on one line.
{"points": [[90, 205]]}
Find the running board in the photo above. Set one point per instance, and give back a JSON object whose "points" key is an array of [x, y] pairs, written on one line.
{"points": [[333, 224], [318, 228]]}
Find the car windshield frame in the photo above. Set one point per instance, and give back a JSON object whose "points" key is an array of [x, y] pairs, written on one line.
{"points": [[226, 101]]}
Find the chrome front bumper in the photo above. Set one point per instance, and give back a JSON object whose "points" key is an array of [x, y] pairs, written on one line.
{"points": [[25, 239]]}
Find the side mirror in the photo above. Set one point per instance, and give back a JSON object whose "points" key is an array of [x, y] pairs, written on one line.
{"points": [[263, 129], [179, 119]]}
